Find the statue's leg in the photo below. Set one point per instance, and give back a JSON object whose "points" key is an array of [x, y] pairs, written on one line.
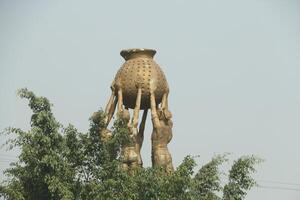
{"points": [[169, 166], [162, 158], [166, 159], [124, 159], [129, 158]]}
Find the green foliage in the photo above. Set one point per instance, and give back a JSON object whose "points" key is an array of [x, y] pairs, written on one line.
{"points": [[207, 180], [240, 180], [59, 162], [42, 171]]}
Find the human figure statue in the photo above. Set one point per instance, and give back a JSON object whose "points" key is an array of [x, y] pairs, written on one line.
{"points": [[130, 153], [140, 84], [162, 131]]}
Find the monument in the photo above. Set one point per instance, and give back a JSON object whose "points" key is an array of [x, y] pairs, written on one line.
{"points": [[140, 84]]}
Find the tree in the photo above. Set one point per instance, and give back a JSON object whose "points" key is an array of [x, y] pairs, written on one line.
{"points": [[59, 162], [42, 171]]}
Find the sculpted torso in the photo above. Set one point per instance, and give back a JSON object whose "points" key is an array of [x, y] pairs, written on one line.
{"points": [[162, 135]]}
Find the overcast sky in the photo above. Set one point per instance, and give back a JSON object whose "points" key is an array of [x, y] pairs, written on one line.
{"points": [[233, 68]]}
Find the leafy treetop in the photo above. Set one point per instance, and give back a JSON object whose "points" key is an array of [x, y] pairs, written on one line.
{"points": [[59, 162]]}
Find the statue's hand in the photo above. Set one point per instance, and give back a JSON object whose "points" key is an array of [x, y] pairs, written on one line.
{"points": [[153, 85], [139, 82], [118, 83]]}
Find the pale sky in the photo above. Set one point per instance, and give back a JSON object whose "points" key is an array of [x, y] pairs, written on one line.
{"points": [[233, 68]]}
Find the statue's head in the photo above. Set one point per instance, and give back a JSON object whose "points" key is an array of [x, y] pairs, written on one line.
{"points": [[167, 114], [160, 114], [164, 114], [125, 115]]}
